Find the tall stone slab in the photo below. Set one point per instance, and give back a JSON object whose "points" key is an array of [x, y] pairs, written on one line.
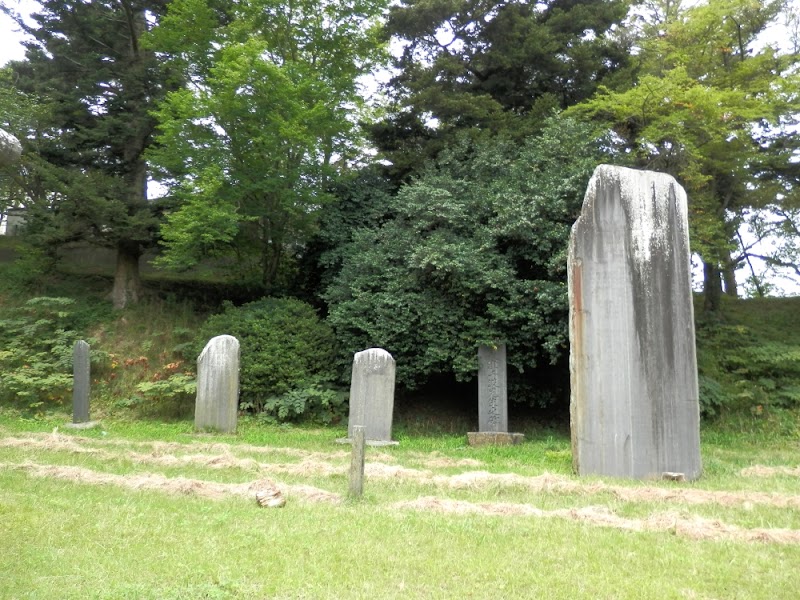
{"points": [[217, 403], [634, 409], [372, 395], [492, 389], [81, 374]]}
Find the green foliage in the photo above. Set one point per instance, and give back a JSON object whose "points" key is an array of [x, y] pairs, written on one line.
{"points": [[313, 402], [286, 364], [712, 105], [494, 66], [176, 387], [36, 359], [749, 367], [473, 252], [248, 149], [84, 176]]}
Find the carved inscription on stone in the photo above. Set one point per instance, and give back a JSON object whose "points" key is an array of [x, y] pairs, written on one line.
{"points": [[492, 389]]}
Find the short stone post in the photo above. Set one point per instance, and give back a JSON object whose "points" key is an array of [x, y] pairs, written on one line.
{"points": [[217, 403], [372, 396], [634, 409], [493, 399], [357, 462], [81, 374]]}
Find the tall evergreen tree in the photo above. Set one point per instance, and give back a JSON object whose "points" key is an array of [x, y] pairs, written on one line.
{"points": [[85, 61], [492, 65]]}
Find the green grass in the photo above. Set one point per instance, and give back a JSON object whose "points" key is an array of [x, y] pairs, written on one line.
{"points": [[77, 540]]}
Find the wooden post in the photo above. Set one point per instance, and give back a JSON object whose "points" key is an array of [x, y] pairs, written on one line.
{"points": [[357, 462]]}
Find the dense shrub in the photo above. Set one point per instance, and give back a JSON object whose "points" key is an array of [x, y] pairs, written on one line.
{"points": [[472, 252], [36, 358], [286, 368], [746, 368]]}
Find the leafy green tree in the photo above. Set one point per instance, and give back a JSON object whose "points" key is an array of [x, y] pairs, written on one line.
{"points": [[86, 65], [472, 252], [492, 65], [247, 148], [713, 108]]}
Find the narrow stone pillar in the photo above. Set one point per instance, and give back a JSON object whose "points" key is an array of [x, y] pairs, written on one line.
{"points": [[372, 395], [357, 462], [217, 403], [492, 389], [81, 381], [634, 409]]}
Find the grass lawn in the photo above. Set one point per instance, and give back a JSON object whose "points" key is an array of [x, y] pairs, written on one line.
{"points": [[152, 510]]}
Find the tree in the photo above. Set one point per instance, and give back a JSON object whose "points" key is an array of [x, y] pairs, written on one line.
{"points": [[713, 108], [85, 62], [472, 252], [248, 147], [491, 66]]}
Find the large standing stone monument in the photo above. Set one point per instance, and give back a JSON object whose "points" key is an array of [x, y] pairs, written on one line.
{"points": [[217, 403], [372, 396], [493, 399], [634, 407], [81, 374]]}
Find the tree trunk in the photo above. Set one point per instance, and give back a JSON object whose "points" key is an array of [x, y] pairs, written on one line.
{"points": [[729, 277], [712, 287], [127, 284]]}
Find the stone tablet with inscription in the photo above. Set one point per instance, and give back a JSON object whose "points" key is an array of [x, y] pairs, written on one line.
{"points": [[492, 389], [217, 403], [634, 408], [372, 395]]}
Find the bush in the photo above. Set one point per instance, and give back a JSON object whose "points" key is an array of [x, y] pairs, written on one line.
{"points": [[36, 359], [287, 368]]}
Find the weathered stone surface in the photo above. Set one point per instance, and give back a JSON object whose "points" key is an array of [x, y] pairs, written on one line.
{"points": [[492, 389], [81, 378], [488, 438], [372, 394], [10, 149], [634, 407], [217, 403]]}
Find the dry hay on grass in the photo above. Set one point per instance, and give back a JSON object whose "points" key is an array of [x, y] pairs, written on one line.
{"points": [[224, 460], [689, 526], [314, 464], [158, 447], [763, 471], [555, 483], [173, 485]]}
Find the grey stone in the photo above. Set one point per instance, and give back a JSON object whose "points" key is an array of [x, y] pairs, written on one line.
{"points": [[494, 438], [634, 409], [217, 403], [372, 395], [10, 149], [356, 489], [492, 389], [81, 374]]}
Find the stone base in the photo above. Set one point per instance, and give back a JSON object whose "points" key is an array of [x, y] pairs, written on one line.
{"points": [[84, 425], [375, 443], [494, 438]]}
